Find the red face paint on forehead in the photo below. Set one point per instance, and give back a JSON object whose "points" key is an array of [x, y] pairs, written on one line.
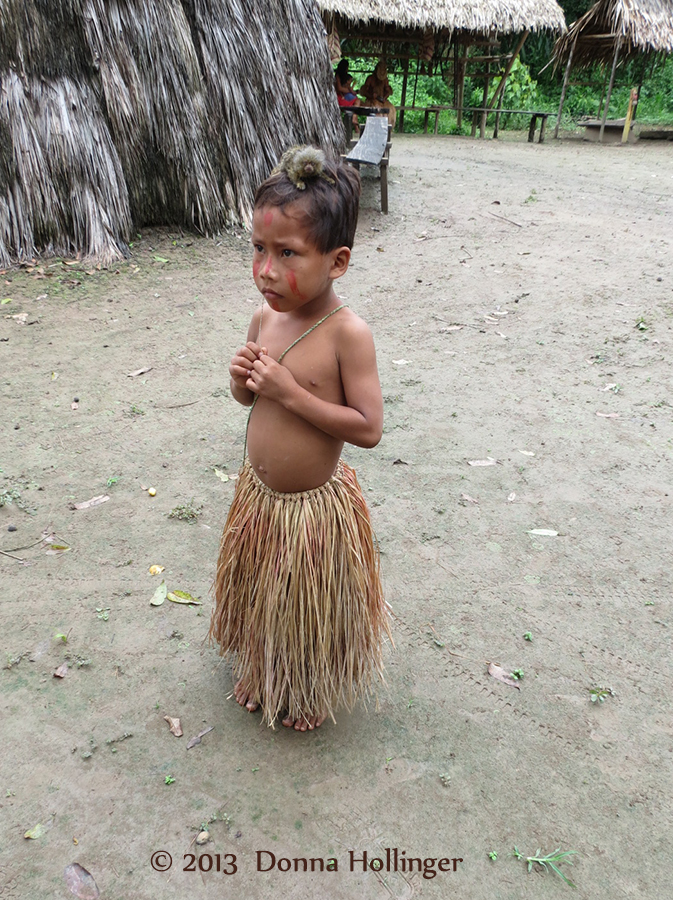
{"points": [[268, 217]]}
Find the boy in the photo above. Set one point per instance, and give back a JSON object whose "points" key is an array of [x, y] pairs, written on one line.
{"points": [[298, 596]]}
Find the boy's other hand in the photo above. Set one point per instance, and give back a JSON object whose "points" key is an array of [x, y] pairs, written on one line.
{"points": [[270, 379], [241, 364]]}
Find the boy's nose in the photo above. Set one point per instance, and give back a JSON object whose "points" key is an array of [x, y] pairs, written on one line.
{"points": [[267, 268]]}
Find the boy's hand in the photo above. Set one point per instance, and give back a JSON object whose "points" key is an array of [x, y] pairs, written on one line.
{"points": [[241, 364], [269, 379]]}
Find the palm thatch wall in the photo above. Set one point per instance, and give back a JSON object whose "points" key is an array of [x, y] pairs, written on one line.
{"points": [[480, 16], [121, 113], [639, 26]]}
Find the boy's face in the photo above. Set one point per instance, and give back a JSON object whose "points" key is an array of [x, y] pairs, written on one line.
{"points": [[288, 269]]}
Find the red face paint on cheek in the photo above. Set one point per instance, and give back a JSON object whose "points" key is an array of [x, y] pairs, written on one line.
{"points": [[255, 268], [292, 281]]}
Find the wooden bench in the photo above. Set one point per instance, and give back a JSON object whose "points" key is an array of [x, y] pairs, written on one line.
{"points": [[478, 112], [373, 149]]}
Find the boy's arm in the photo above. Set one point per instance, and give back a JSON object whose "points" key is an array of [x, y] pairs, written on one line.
{"points": [[241, 364], [360, 422]]}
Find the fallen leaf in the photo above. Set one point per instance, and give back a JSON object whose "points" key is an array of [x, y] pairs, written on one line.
{"points": [[87, 504], [20, 317], [609, 387], [161, 259], [380, 250], [54, 376], [174, 725], [220, 474], [197, 739], [527, 452], [500, 312], [156, 570], [5, 301], [62, 671], [182, 597], [501, 675], [139, 372], [608, 415], [71, 262], [490, 320], [489, 461], [80, 882], [511, 498], [35, 832], [446, 328], [401, 362], [468, 499], [56, 549], [159, 595], [543, 532]]}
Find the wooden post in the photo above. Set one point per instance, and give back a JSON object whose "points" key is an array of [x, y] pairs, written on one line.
{"points": [[461, 86], [482, 123], [566, 78], [405, 69], [618, 43], [633, 99], [600, 105], [508, 68], [497, 116]]}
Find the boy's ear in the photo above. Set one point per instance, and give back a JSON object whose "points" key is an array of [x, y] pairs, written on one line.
{"points": [[340, 259]]}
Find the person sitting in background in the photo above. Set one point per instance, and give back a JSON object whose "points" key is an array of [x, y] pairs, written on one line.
{"points": [[346, 96], [376, 90]]}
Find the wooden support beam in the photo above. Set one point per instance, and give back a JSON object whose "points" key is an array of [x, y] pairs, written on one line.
{"points": [[508, 68], [633, 100], [405, 70], [565, 86], [612, 81]]}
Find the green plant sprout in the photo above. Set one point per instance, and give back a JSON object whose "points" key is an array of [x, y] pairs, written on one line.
{"points": [[103, 612], [61, 637], [169, 779], [528, 636], [550, 859], [186, 513], [600, 693], [493, 855], [112, 480], [517, 674]]}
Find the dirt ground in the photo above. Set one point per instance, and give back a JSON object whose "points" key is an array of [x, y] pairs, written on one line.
{"points": [[555, 261]]}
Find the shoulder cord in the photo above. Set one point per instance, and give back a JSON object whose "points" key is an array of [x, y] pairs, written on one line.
{"points": [[281, 357]]}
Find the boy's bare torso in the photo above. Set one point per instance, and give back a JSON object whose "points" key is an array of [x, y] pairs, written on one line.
{"points": [[288, 453]]}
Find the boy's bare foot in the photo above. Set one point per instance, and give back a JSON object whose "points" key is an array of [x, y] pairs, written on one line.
{"points": [[244, 697], [304, 724]]}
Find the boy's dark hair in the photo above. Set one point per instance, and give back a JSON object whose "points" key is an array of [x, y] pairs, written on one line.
{"points": [[326, 190]]}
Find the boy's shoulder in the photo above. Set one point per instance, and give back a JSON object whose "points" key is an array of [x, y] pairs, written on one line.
{"points": [[351, 326]]}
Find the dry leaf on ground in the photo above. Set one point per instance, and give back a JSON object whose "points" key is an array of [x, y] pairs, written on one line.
{"points": [[80, 882], [62, 671], [468, 499], [489, 461], [543, 532], [159, 595], [174, 725], [608, 415], [156, 570], [34, 833], [197, 739], [87, 504], [512, 497], [220, 474], [139, 372], [182, 597], [501, 675]]}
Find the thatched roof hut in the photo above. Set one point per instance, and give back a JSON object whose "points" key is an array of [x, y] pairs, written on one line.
{"points": [[479, 16], [614, 30], [639, 26], [115, 115]]}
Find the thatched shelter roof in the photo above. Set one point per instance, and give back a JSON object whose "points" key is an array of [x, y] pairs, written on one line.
{"points": [[118, 114], [481, 16], [642, 26]]}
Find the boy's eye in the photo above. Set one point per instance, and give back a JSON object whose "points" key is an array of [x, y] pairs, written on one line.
{"points": [[258, 248], [288, 253]]}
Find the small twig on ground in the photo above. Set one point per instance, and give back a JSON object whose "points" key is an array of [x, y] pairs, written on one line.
{"points": [[505, 219], [9, 555], [180, 405]]}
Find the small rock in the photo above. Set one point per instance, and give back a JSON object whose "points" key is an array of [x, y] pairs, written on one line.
{"points": [[11, 528], [202, 837], [75, 399], [16, 428]]}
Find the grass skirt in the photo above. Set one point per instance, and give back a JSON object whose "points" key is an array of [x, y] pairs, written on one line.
{"points": [[298, 597]]}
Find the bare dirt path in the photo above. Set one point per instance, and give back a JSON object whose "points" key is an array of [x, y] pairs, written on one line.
{"points": [[521, 297]]}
